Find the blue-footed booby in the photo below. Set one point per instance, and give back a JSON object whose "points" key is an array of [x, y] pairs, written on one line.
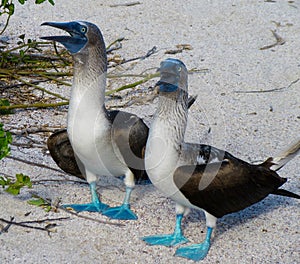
{"points": [[97, 141], [201, 176], [110, 143]]}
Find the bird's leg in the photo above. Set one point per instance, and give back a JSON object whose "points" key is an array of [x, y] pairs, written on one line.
{"points": [[196, 252], [169, 239], [123, 212], [95, 206]]}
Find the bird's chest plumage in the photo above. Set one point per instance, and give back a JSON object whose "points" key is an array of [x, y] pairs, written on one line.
{"points": [[90, 134], [161, 160]]}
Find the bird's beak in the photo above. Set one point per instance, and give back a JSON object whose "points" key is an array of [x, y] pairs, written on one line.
{"points": [[74, 42], [169, 77]]}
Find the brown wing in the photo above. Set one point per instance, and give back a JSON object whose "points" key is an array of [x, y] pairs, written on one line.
{"points": [[130, 134], [62, 153], [225, 187]]}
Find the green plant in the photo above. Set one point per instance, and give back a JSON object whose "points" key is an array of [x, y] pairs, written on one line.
{"points": [[5, 102], [5, 140], [40, 202], [7, 8], [14, 187]]}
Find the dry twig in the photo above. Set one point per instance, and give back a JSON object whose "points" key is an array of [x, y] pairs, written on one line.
{"points": [[270, 90], [279, 41]]}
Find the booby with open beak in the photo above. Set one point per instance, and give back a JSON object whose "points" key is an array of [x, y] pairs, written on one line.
{"points": [[110, 143], [201, 176]]}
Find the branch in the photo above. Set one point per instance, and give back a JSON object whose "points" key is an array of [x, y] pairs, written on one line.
{"points": [[34, 164], [25, 223], [127, 4], [38, 87], [132, 85], [36, 105], [270, 90], [148, 54], [91, 219], [279, 41]]}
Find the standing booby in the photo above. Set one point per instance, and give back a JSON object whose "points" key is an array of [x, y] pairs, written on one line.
{"points": [[109, 143], [98, 142], [200, 176]]}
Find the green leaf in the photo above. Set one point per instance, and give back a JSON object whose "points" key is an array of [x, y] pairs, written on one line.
{"points": [[37, 202], [51, 2], [22, 2], [22, 53], [21, 181], [5, 102], [11, 9], [5, 140], [4, 3], [39, 1], [14, 190], [48, 208], [4, 181]]}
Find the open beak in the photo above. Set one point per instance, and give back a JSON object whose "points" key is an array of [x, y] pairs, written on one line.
{"points": [[74, 42]]}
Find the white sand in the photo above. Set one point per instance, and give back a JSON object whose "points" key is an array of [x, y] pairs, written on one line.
{"points": [[226, 37]]}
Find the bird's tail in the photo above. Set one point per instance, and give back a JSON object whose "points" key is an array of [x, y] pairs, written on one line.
{"points": [[286, 193], [285, 156], [191, 100]]}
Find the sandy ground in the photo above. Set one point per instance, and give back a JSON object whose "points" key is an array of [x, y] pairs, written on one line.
{"points": [[226, 37]]}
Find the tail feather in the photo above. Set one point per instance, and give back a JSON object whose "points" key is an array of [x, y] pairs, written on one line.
{"points": [[285, 156], [286, 193], [191, 100]]}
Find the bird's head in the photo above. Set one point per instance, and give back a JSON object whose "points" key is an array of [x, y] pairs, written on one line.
{"points": [[81, 33], [173, 77]]}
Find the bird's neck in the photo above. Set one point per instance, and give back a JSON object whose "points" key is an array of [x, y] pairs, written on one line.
{"points": [[89, 81], [88, 89], [171, 119], [165, 137]]}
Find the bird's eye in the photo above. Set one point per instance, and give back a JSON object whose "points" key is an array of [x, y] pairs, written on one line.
{"points": [[83, 29], [178, 68]]}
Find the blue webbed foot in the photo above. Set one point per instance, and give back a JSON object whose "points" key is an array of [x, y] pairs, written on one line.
{"points": [[90, 207], [122, 212], [168, 240], [95, 206], [196, 252], [165, 240]]}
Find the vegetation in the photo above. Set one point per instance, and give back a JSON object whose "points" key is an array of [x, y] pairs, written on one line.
{"points": [[8, 8]]}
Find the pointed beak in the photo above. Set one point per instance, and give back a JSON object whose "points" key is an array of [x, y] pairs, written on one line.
{"points": [[169, 76], [73, 42], [66, 26]]}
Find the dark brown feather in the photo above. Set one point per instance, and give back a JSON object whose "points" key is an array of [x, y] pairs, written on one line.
{"points": [[228, 187], [62, 153], [130, 134]]}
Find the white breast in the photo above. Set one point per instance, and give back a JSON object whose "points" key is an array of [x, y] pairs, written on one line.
{"points": [[161, 160], [90, 135]]}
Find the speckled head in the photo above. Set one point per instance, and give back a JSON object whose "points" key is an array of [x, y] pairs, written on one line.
{"points": [[173, 76], [81, 34]]}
